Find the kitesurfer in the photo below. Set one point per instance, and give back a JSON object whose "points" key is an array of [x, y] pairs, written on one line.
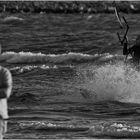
{"points": [[134, 50]]}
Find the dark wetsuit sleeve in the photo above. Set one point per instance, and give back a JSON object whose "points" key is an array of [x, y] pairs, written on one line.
{"points": [[125, 50]]}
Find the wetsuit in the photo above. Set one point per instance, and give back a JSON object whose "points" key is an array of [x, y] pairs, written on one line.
{"points": [[134, 51]]}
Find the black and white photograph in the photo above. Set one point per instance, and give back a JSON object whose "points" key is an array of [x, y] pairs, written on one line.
{"points": [[69, 69]]}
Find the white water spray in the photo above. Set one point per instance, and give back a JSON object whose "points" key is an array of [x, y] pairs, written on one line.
{"points": [[112, 82]]}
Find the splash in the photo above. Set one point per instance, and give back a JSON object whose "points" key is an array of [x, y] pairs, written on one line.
{"points": [[110, 82]]}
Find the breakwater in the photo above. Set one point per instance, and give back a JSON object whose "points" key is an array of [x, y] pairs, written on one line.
{"points": [[68, 6]]}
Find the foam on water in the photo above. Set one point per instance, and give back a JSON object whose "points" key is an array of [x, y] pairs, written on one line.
{"points": [[110, 82]]}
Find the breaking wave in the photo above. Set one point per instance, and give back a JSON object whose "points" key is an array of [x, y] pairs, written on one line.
{"points": [[115, 129], [42, 125], [109, 129], [29, 57], [27, 68]]}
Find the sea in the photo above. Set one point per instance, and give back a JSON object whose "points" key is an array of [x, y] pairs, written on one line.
{"points": [[70, 78]]}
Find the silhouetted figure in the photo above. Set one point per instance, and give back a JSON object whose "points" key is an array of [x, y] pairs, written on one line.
{"points": [[134, 50], [5, 91]]}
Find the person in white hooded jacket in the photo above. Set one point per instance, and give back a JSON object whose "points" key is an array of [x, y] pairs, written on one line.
{"points": [[5, 92]]}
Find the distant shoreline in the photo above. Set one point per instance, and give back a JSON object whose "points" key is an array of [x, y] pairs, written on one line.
{"points": [[68, 6]]}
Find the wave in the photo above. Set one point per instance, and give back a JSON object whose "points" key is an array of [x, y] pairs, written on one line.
{"points": [[101, 129], [28, 68], [29, 57], [42, 125], [12, 18], [115, 129]]}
